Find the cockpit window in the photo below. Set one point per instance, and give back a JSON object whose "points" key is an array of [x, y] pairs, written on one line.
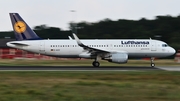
{"points": [[164, 45]]}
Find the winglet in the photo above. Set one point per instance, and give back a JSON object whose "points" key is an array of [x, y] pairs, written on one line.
{"points": [[90, 49], [78, 41], [70, 38]]}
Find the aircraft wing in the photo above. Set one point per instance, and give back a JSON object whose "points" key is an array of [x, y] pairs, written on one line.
{"points": [[90, 49]]}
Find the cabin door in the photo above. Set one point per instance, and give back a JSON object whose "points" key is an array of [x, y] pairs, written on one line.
{"points": [[42, 48], [153, 46]]}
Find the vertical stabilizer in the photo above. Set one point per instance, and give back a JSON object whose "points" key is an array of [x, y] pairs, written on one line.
{"points": [[21, 29]]}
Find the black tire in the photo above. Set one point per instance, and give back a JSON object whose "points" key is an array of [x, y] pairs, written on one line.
{"points": [[96, 64], [152, 64]]}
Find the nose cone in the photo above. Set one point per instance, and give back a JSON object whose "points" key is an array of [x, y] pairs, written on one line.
{"points": [[172, 51]]}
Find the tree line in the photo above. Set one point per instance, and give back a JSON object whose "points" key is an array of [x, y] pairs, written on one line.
{"points": [[165, 28]]}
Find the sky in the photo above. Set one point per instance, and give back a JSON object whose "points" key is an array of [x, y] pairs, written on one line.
{"points": [[58, 13]]}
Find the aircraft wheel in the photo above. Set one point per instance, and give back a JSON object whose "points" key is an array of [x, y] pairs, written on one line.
{"points": [[152, 65], [96, 64]]}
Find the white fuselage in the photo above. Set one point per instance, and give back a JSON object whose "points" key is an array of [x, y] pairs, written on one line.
{"points": [[70, 48]]}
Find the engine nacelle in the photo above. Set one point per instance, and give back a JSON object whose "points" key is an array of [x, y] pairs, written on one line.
{"points": [[118, 57]]}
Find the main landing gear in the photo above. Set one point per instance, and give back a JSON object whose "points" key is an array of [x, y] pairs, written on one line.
{"points": [[96, 64], [152, 62]]}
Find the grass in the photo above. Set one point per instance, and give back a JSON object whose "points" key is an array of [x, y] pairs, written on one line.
{"points": [[90, 86], [75, 62]]}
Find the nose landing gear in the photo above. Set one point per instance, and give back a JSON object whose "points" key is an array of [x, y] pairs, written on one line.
{"points": [[152, 62]]}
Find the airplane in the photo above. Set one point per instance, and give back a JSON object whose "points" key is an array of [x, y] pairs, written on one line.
{"points": [[112, 50]]}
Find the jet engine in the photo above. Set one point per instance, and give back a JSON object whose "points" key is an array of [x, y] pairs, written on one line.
{"points": [[118, 57]]}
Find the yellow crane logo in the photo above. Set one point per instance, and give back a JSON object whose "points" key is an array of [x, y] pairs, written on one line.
{"points": [[20, 27]]}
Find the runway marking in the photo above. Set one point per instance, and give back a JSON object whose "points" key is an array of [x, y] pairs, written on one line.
{"points": [[68, 70], [77, 68], [84, 69], [170, 68]]}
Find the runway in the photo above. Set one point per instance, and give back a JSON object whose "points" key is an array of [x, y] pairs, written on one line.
{"points": [[86, 68]]}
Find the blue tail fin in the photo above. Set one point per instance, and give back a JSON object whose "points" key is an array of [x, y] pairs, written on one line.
{"points": [[21, 30]]}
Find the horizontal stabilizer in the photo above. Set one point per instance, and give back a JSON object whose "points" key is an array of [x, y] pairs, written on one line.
{"points": [[20, 44]]}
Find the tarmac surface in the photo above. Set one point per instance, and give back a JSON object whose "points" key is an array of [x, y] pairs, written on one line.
{"points": [[86, 68]]}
